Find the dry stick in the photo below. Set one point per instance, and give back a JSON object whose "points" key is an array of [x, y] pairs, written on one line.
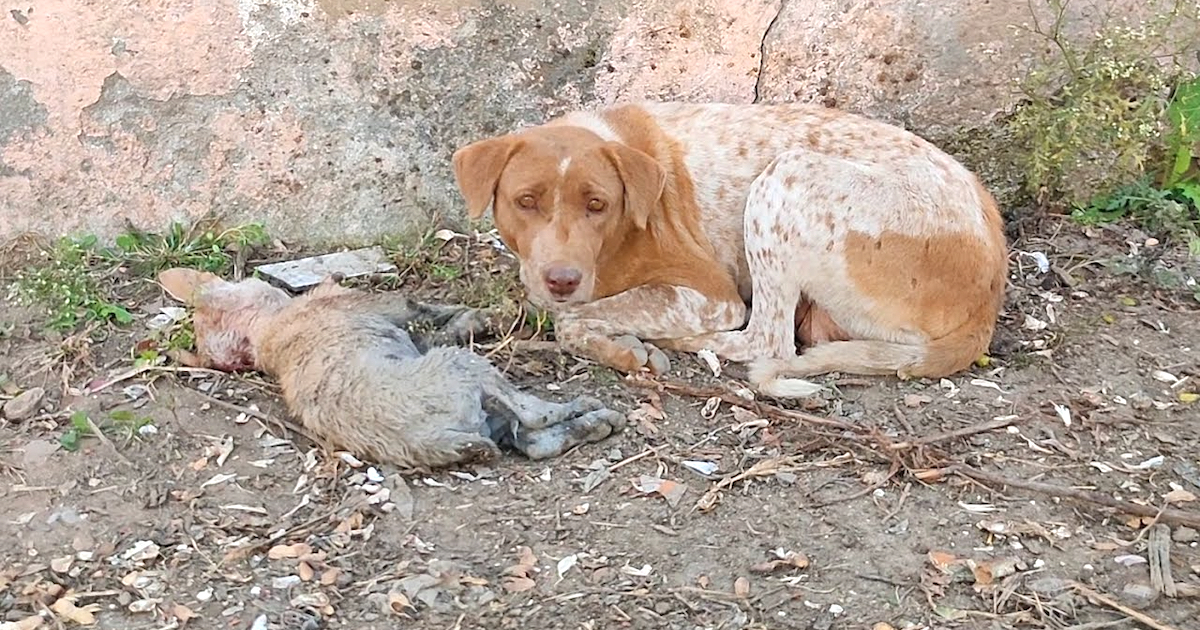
{"points": [[982, 427], [1117, 606], [788, 414], [1178, 517], [107, 442], [733, 399], [253, 413]]}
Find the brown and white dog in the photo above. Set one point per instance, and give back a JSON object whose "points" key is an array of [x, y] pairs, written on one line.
{"points": [[663, 222]]}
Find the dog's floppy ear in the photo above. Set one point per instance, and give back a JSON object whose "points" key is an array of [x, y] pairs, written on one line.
{"points": [[643, 178], [185, 284], [477, 169]]}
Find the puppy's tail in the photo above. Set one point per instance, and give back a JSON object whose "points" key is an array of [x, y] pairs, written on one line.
{"points": [[941, 357]]}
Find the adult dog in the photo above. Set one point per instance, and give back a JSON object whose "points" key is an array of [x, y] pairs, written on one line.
{"points": [[670, 222]]}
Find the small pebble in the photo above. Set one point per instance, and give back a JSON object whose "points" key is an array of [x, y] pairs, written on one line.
{"points": [[373, 475], [371, 488], [204, 595], [1139, 595], [1184, 535], [25, 405], [285, 582]]}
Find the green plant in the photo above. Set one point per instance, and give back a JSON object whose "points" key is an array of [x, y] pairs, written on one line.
{"points": [[79, 428], [1173, 212], [1183, 139], [73, 281], [201, 246], [128, 424], [122, 422], [1099, 112], [65, 287]]}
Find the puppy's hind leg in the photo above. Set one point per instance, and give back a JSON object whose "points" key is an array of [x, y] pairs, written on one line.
{"points": [[541, 428]]}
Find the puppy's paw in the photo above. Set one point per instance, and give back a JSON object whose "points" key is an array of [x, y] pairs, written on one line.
{"points": [[471, 323], [477, 451], [584, 404]]}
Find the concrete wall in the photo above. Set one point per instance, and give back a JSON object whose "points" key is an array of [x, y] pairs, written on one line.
{"points": [[335, 119]]}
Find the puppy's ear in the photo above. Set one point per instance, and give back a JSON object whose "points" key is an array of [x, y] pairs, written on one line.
{"points": [[477, 169], [643, 177], [185, 284]]}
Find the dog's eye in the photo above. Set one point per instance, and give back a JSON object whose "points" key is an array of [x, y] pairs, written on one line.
{"points": [[595, 205], [527, 202]]}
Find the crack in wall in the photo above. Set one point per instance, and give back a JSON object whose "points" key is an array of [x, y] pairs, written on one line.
{"points": [[762, 51]]}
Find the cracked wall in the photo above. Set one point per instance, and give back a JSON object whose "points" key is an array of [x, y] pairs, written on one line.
{"points": [[334, 120]]}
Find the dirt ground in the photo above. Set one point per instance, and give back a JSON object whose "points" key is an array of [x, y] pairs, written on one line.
{"points": [[698, 515]]}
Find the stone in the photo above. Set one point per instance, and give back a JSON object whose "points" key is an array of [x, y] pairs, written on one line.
{"points": [[1138, 595], [24, 405], [1184, 535], [303, 273]]}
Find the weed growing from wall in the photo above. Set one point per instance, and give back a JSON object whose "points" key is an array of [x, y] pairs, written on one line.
{"points": [[1110, 125]]}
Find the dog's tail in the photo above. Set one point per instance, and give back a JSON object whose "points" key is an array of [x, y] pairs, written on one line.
{"points": [[941, 357]]}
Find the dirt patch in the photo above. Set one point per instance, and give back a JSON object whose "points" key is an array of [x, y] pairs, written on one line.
{"points": [[219, 518]]}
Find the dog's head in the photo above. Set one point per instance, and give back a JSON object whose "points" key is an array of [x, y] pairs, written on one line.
{"points": [[225, 314], [561, 196]]}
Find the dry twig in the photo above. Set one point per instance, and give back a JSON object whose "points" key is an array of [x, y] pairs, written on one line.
{"points": [[1178, 517], [1139, 617]]}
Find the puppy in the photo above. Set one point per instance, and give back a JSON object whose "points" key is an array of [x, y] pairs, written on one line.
{"points": [[352, 375]]}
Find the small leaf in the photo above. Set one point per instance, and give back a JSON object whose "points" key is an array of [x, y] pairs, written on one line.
{"points": [[65, 607]]}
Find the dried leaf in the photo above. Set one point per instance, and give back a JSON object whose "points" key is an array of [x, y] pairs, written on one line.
{"points": [[306, 572], [943, 560], [183, 613], [398, 601], [279, 552], [784, 559], [28, 623], [65, 607], [1064, 413], [1179, 495], [1129, 560], [330, 576], [1164, 377], [916, 400], [218, 479], [672, 491]]}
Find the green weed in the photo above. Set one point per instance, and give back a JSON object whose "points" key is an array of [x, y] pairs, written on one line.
{"points": [[200, 246], [67, 287], [79, 429], [74, 280], [121, 422], [1110, 123]]}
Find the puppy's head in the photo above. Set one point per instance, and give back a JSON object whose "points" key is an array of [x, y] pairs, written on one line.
{"points": [[561, 196], [225, 314]]}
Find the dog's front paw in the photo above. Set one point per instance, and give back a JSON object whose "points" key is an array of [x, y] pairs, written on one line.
{"points": [[644, 355]]}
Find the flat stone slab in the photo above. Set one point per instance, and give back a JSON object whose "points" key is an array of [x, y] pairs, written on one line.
{"points": [[303, 273]]}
